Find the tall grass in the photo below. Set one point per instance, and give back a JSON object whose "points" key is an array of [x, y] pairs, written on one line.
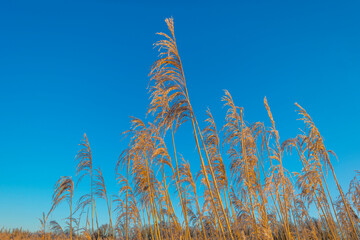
{"points": [[241, 191]]}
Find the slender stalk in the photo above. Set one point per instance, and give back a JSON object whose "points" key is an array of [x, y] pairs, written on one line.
{"points": [[206, 176], [178, 185], [71, 218]]}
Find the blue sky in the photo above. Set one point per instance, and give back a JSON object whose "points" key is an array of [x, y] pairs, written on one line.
{"points": [[70, 67]]}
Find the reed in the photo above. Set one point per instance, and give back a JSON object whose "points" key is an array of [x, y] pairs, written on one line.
{"points": [[85, 167]]}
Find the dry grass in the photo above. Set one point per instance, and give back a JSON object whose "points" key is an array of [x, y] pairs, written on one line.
{"points": [[241, 191]]}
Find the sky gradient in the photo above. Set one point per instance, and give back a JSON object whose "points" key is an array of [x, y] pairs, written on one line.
{"points": [[70, 67]]}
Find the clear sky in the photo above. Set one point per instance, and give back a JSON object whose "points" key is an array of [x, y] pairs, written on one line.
{"points": [[70, 67]]}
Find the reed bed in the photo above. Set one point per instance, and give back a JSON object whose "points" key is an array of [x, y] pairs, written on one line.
{"points": [[241, 189]]}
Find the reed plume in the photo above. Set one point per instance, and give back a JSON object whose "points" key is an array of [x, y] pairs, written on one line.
{"points": [[85, 167], [64, 190]]}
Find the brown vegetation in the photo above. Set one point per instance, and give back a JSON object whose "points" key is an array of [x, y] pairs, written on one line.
{"points": [[242, 190]]}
